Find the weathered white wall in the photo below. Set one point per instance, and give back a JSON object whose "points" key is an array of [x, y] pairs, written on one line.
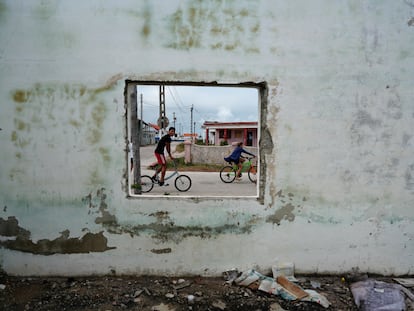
{"points": [[337, 140]]}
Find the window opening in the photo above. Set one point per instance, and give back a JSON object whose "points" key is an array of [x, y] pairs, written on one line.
{"points": [[209, 121]]}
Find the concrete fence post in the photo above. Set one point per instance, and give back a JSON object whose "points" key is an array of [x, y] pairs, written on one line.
{"points": [[187, 151]]}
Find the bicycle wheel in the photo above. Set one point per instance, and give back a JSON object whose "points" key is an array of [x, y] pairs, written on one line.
{"points": [[253, 173], [182, 183], [146, 183], [227, 174]]}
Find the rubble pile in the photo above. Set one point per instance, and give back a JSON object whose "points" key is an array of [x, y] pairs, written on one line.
{"points": [[231, 292]]}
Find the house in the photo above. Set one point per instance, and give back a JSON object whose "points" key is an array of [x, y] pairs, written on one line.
{"points": [[219, 133]]}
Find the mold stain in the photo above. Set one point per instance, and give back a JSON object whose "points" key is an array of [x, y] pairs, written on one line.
{"points": [[217, 25], [146, 28], [105, 154], [20, 96], [68, 109]]}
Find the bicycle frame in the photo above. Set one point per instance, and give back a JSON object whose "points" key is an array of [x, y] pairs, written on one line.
{"points": [[182, 182], [173, 173], [245, 166], [228, 171]]}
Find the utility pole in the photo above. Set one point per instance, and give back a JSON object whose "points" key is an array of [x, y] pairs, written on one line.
{"points": [[174, 118], [162, 121], [191, 122]]}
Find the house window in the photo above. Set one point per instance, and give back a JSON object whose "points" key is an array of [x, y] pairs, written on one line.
{"points": [[192, 109], [225, 134]]}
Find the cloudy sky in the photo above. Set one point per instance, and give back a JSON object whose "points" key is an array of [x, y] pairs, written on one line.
{"points": [[209, 104]]}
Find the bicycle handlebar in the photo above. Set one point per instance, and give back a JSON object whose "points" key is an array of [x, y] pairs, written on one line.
{"points": [[248, 157]]}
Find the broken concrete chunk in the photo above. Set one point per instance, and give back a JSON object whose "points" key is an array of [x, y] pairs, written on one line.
{"points": [[291, 288], [219, 304]]}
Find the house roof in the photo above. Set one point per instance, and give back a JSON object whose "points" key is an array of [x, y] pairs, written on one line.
{"points": [[220, 125]]}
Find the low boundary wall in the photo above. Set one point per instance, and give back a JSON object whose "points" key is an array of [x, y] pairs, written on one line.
{"points": [[210, 154]]}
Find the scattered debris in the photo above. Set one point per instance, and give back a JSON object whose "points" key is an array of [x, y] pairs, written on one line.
{"points": [[315, 284], [169, 295], [182, 284], [219, 304], [285, 269], [148, 293], [280, 286], [162, 307], [291, 288], [314, 296], [372, 295], [190, 299], [230, 275], [406, 282]]}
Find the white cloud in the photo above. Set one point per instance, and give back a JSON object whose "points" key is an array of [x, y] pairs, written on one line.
{"points": [[209, 104], [224, 114]]}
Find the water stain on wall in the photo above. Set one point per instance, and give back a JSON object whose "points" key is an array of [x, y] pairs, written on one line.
{"points": [[216, 25], [56, 110]]}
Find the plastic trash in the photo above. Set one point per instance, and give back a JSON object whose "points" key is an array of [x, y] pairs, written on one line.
{"points": [[372, 295], [248, 277], [230, 275], [286, 269], [314, 296], [280, 286]]}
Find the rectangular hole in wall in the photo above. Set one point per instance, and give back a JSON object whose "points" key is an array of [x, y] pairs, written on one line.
{"points": [[210, 120]]}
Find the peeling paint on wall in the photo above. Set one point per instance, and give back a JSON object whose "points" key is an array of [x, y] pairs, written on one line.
{"points": [[284, 213], [10, 228], [163, 228], [90, 242], [161, 250]]}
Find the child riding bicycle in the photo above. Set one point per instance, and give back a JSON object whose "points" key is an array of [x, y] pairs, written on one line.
{"points": [[237, 158]]}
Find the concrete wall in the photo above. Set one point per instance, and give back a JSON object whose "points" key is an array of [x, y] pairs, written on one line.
{"points": [[336, 137], [213, 154]]}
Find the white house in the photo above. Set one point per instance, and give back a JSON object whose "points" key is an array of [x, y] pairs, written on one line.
{"points": [[229, 132]]}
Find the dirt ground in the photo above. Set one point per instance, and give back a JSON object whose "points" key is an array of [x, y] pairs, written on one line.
{"points": [[160, 294]]}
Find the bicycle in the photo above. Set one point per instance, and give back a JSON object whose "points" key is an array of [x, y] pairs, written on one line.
{"points": [[228, 172], [182, 182]]}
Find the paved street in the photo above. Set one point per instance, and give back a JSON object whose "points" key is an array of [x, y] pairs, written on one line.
{"points": [[203, 183]]}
